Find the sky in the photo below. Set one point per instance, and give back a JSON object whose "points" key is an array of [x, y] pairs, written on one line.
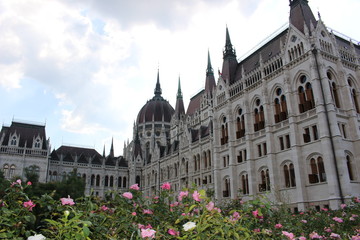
{"points": [[86, 67]]}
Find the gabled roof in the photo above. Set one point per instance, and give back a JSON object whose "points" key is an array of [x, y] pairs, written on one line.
{"points": [[267, 51], [77, 151], [300, 14], [27, 134], [194, 103]]}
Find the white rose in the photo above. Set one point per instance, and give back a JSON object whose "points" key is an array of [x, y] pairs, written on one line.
{"points": [[189, 226], [37, 237]]}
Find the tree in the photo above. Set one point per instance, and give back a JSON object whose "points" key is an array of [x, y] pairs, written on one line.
{"points": [[72, 185], [32, 174]]}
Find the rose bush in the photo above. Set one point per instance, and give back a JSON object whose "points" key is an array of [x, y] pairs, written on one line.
{"points": [[189, 214]]}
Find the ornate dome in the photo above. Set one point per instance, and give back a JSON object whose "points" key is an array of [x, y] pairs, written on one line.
{"points": [[156, 109]]}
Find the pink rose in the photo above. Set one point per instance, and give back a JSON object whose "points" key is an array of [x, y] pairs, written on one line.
{"points": [[29, 205], [127, 195], [173, 232], [166, 186], [256, 214], [315, 235], [148, 233], [196, 196], [147, 211], [29, 183], [67, 201], [210, 206], [133, 213], [334, 235], [303, 221], [104, 208], [135, 187], [278, 225], [288, 235], [339, 220], [182, 195]]}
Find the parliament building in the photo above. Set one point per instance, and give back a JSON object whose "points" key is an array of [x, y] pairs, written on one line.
{"points": [[284, 122]]}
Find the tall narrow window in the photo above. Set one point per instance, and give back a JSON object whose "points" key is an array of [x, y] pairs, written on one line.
{"points": [[280, 106], [92, 180], [315, 132], [6, 170], [259, 117], [240, 124], [12, 171], [226, 192], [289, 175], [119, 182], [354, 95], [106, 181], [306, 96], [333, 89], [265, 180], [111, 181], [98, 180], [224, 132], [124, 182], [349, 167], [287, 139], [317, 170], [245, 184]]}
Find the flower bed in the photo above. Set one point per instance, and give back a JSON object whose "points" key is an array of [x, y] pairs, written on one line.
{"points": [[189, 215]]}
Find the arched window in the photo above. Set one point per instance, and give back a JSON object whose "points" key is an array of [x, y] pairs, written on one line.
{"points": [[106, 181], [119, 182], [195, 164], [137, 180], [280, 106], [306, 96], [354, 96], [259, 117], [13, 141], [12, 171], [92, 180], [226, 192], [84, 177], [245, 184], [111, 181], [240, 124], [224, 132], [317, 170], [124, 182], [6, 170], [289, 175], [333, 89], [264, 180], [54, 176], [98, 180], [350, 168], [204, 160], [176, 169]]}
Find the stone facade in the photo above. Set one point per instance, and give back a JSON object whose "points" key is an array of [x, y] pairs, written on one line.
{"points": [[282, 122]]}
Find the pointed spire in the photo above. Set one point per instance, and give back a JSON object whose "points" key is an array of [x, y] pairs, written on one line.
{"points": [[209, 70], [210, 80], [179, 107], [112, 148], [157, 90], [104, 151], [229, 51], [179, 93]]}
